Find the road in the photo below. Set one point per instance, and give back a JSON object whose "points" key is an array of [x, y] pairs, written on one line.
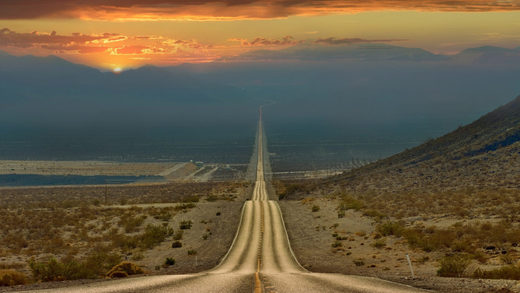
{"points": [[260, 259]]}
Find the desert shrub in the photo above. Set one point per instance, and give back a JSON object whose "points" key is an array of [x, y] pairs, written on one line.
{"points": [[361, 233], [163, 216], [507, 259], [453, 266], [12, 265], [379, 243], [12, 277], [69, 268], [212, 198], [350, 203], [184, 225], [341, 214], [336, 244], [191, 199], [124, 269], [130, 222], [151, 237], [390, 228], [178, 235], [510, 272], [52, 270], [294, 188], [184, 206], [315, 208], [137, 256], [100, 261], [169, 261], [192, 252], [358, 262], [154, 235], [176, 244], [378, 216]]}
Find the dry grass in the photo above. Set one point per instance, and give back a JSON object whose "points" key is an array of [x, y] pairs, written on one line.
{"points": [[12, 277], [41, 229], [124, 269], [480, 225]]}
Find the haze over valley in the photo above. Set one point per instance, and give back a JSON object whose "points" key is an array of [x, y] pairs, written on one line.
{"points": [[264, 146], [338, 103]]}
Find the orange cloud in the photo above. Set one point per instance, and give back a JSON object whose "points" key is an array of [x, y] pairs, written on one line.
{"points": [[227, 9], [115, 44], [108, 48], [35, 39]]}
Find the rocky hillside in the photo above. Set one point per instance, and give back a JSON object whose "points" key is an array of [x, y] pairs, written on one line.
{"points": [[483, 154]]}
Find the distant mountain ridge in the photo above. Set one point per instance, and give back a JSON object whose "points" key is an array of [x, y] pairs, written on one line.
{"points": [[369, 93], [481, 154]]}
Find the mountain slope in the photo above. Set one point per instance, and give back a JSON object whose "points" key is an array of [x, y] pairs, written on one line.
{"points": [[485, 153], [53, 109]]}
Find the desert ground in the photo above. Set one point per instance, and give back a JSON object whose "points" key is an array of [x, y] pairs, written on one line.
{"points": [[136, 223], [336, 230], [163, 171]]}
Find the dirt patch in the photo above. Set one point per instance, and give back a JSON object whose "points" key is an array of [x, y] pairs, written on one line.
{"points": [[323, 242], [83, 168]]}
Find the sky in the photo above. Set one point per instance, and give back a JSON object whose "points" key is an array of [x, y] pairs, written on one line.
{"points": [[121, 34]]}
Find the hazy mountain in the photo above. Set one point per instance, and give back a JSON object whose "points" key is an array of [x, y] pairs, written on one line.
{"points": [[490, 56], [353, 52], [485, 153], [385, 97], [365, 93], [60, 109]]}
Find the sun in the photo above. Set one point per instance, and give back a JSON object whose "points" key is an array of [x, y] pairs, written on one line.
{"points": [[117, 69]]}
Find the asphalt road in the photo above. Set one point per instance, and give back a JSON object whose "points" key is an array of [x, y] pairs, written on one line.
{"points": [[260, 259]]}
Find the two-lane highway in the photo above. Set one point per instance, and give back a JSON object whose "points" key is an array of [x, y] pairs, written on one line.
{"points": [[260, 259]]}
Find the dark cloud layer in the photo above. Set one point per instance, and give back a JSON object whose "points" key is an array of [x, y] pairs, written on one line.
{"points": [[157, 9], [347, 41], [261, 41]]}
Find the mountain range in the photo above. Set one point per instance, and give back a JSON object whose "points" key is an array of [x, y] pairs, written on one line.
{"points": [[484, 154], [388, 96]]}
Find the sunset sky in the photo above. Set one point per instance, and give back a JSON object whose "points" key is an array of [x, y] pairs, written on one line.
{"points": [[129, 33]]}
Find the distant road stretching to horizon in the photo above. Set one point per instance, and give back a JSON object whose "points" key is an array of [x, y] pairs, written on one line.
{"points": [[260, 259]]}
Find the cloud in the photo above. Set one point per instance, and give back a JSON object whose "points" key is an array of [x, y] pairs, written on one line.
{"points": [[227, 9], [26, 40], [261, 41], [107, 48], [113, 44], [347, 41]]}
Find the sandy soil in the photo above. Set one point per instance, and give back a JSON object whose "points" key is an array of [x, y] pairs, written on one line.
{"points": [[220, 231], [84, 168], [218, 220], [311, 238]]}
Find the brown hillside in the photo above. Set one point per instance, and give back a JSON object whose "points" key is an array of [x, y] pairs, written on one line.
{"points": [[485, 153]]}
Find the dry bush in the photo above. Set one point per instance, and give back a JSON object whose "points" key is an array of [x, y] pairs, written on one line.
{"points": [[184, 225], [510, 272], [453, 266], [466, 238], [69, 268], [185, 206], [390, 228], [152, 236], [124, 269], [11, 278], [348, 202], [131, 222]]}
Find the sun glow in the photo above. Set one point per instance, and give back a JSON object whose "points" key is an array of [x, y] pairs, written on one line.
{"points": [[117, 70]]}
